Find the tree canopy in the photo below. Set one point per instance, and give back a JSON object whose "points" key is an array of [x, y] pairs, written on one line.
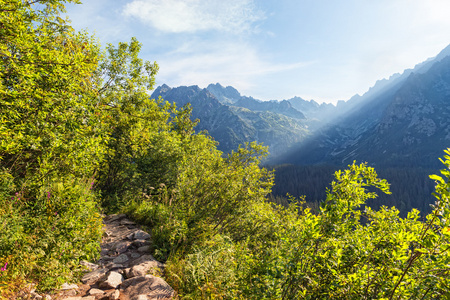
{"points": [[79, 135]]}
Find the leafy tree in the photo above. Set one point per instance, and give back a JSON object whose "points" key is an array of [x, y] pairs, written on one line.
{"points": [[48, 94], [51, 142]]}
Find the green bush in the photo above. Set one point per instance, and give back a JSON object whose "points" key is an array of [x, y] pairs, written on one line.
{"points": [[78, 128], [45, 243], [266, 251]]}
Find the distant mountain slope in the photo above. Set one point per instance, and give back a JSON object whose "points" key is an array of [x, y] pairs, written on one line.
{"points": [[281, 107], [232, 126], [230, 96], [221, 123], [313, 110], [405, 122]]}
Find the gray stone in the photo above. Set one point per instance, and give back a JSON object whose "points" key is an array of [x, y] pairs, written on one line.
{"points": [[95, 291], [143, 259], [113, 218], [112, 266], [68, 293], [121, 247], [94, 275], [106, 258], [111, 281], [120, 259], [153, 287], [141, 235], [135, 255], [144, 249], [141, 267]]}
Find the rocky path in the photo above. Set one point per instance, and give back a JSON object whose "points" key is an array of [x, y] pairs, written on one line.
{"points": [[125, 270]]}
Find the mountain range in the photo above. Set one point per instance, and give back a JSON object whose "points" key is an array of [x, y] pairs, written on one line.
{"points": [[400, 122], [400, 126], [232, 119]]}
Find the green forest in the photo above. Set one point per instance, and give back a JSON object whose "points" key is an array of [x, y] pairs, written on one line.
{"points": [[410, 187], [80, 137]]}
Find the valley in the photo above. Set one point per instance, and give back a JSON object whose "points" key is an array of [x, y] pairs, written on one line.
{"points": [[400, 126]]}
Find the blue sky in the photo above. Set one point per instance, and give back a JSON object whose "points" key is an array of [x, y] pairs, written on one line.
{"points": [[325, 50]]}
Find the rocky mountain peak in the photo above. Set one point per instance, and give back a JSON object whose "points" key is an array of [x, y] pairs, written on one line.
{"points": [[224, 94]]}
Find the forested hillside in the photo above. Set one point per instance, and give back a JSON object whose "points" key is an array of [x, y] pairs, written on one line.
{"points": [[224, 115], [410, 187], [80, 135]]}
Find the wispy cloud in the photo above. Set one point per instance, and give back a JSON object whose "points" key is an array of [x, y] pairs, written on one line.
{"points": [[178, 16], [230, 63]]}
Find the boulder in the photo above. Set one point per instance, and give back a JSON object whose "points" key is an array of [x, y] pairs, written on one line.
{"points": [[150, 286], [111, 281], [143, 265], [94, 275]]}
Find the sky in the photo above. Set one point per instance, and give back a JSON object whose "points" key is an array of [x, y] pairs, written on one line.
{"points": [[325, 50]]}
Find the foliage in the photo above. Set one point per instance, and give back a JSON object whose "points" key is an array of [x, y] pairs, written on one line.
{"points": [[77, 125], [51, 142], [46, 243], [344, 251], [410, 187], [48, 125]]}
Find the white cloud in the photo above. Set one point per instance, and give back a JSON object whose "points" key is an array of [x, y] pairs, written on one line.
{"points": [[229, 63], [179, 16]]}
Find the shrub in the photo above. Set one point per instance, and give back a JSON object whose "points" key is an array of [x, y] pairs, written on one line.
{"points": [[46, 241]]}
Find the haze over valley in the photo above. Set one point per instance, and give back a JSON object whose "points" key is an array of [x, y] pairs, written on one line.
{"points": [[400, 125]]}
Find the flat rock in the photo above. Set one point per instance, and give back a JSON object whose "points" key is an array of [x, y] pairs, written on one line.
{"points": [[144, 249], [120, 259], [113, 218], [121, 247], [141, 235], [111, 281], [144, 267], [95, 291], [152, 286], [94, 275], [112, 266], [143, 259]]}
